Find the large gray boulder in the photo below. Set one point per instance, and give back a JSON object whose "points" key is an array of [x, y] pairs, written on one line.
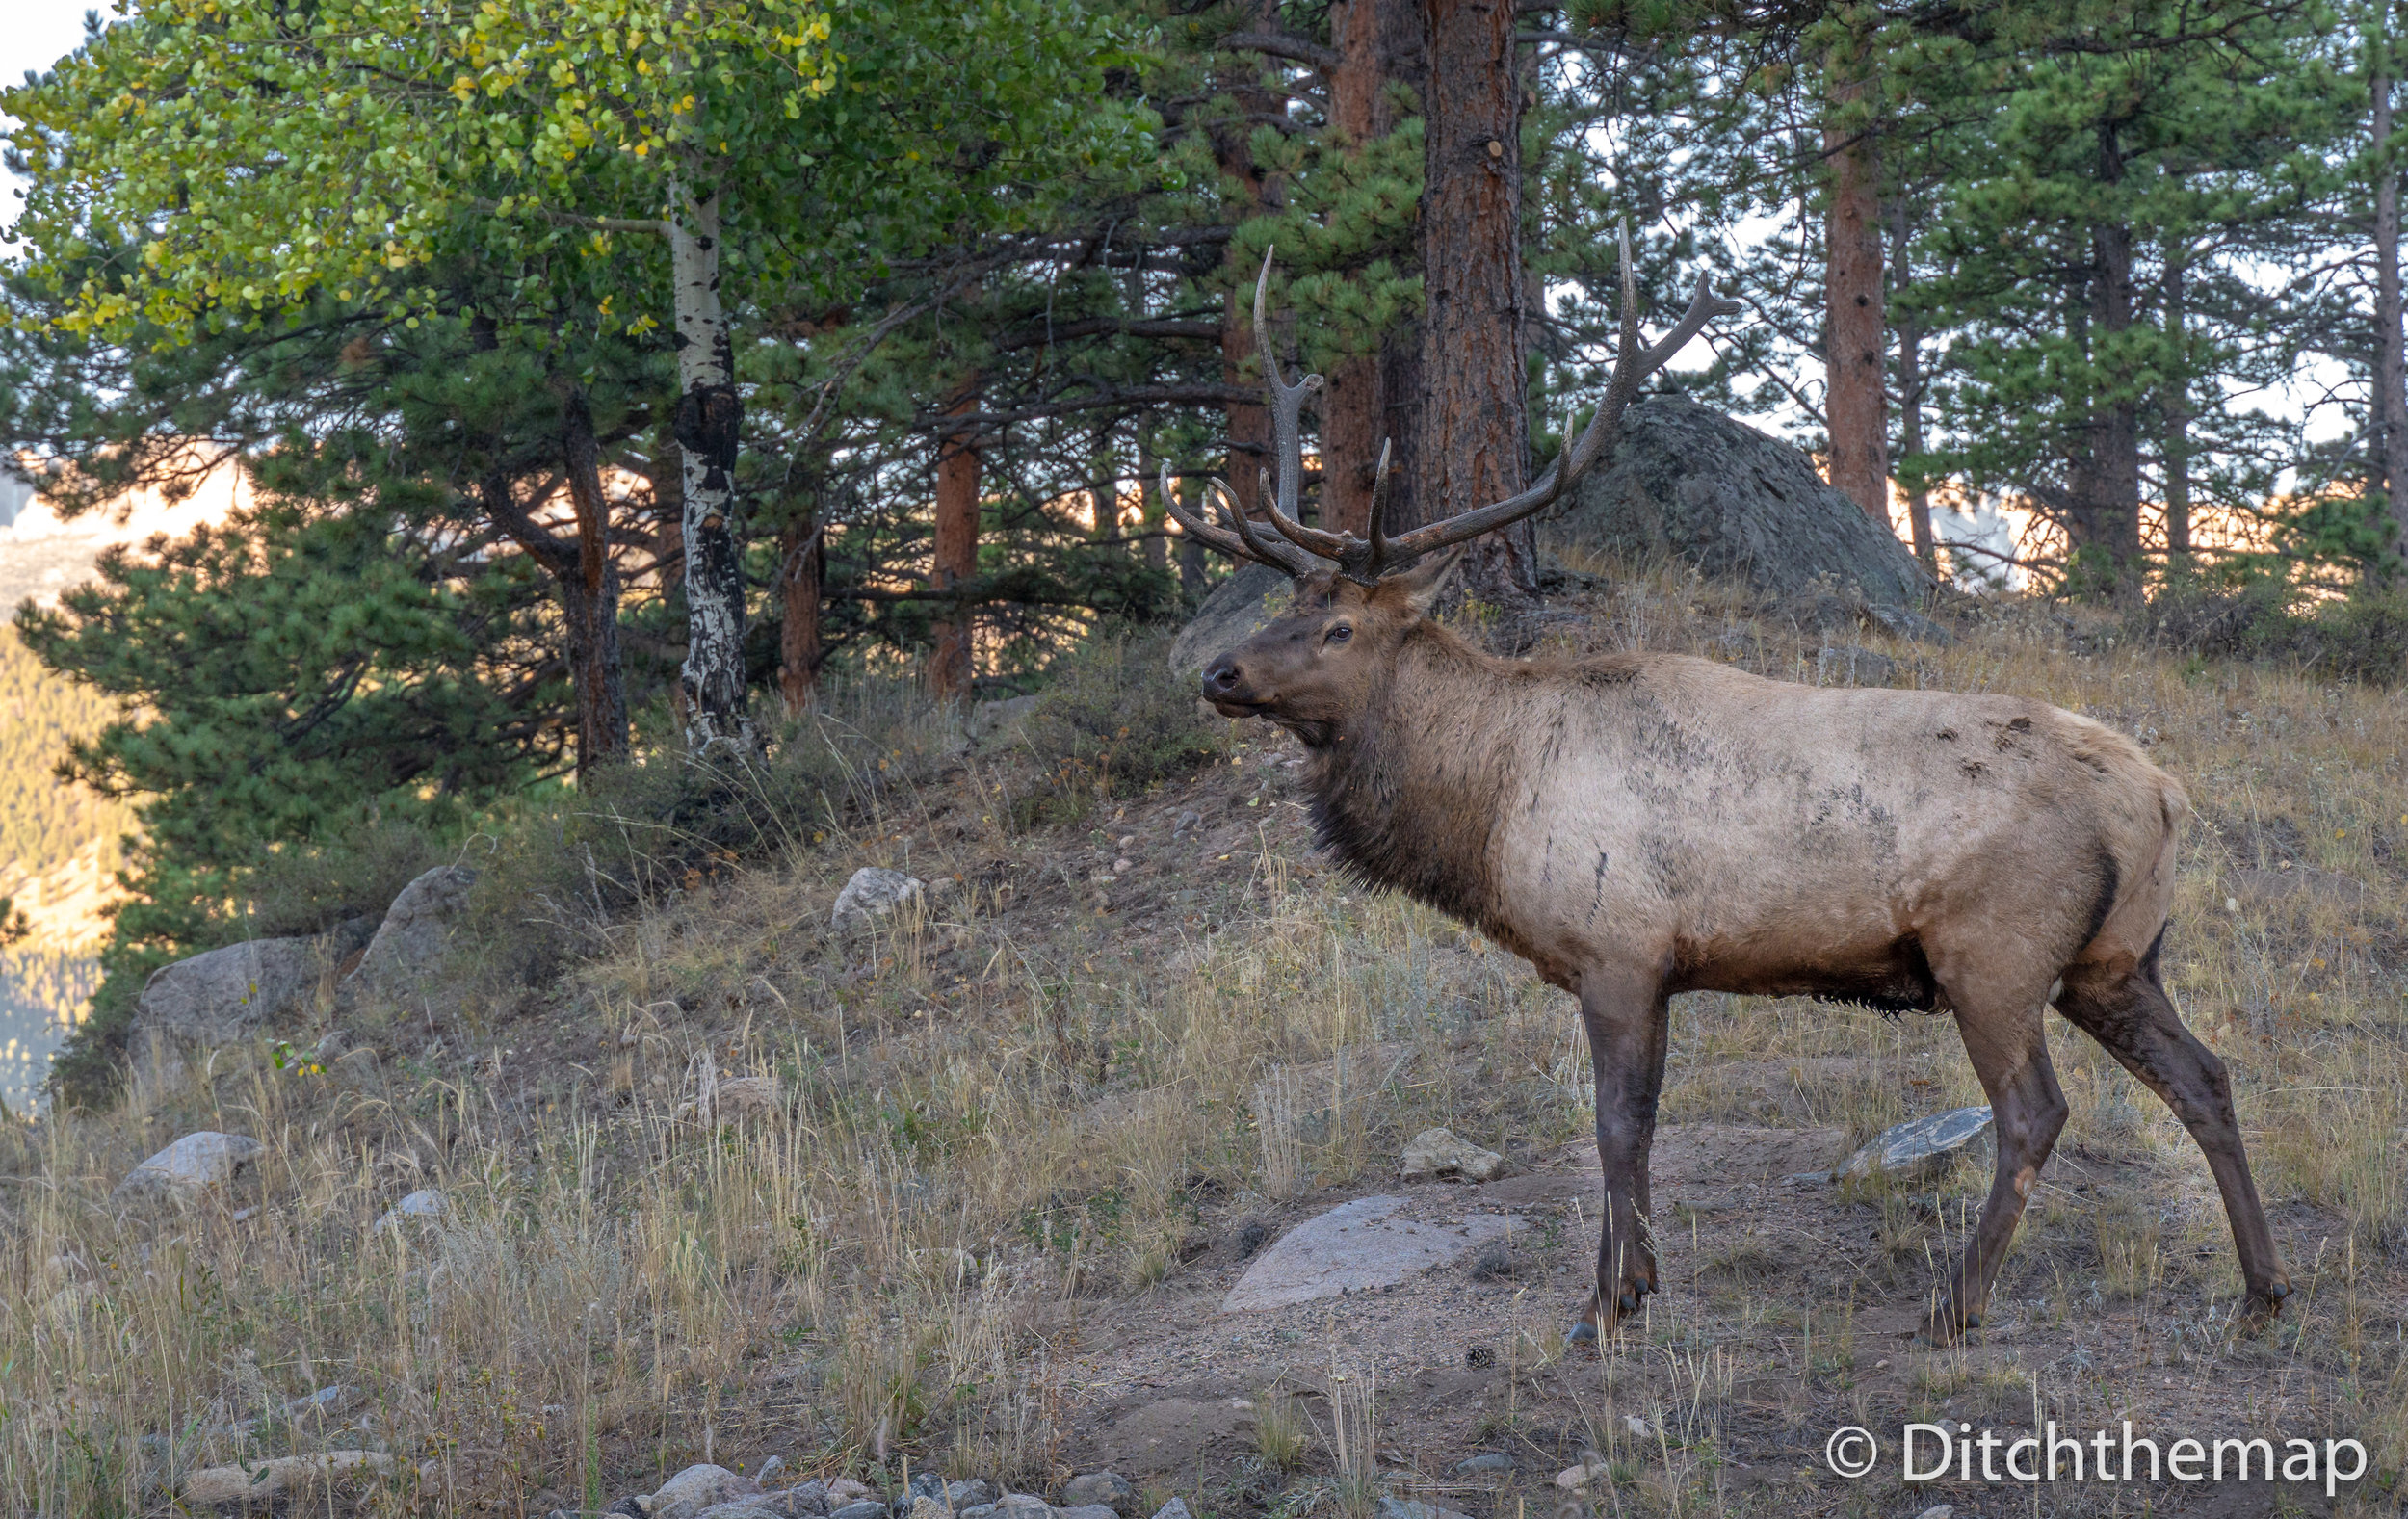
{"points": [[188, 1170], [1687, 482], [416, 930], [1237, 608], [227, 994]]}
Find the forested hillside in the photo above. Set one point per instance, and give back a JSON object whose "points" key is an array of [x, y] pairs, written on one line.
{"points": [[57, 852]]}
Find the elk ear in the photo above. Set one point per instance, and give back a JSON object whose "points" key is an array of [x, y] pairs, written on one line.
{"points": [[1422, 584]]}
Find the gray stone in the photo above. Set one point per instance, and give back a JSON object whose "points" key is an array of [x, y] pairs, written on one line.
{"points": [[1438, 1152], [1685, 481], [748, 1508], [188, 1169], [1847, 665], [1108, 1488], [1902, 622], [1022, 1503], [1354, 1246], [771, 1470], [698, 1488], [872, 893], [979, 1511], [1087, 1512], [327, 1403], [866, 1508], [227, 994], [998, 721], [968, 1494], [1485, 1463], [416, 930], [803, 1498], [1238, 608], [1495, 1259], [1414, 1509], [423, 1206], [1921, 1144], [846, 1490], [920, 1506], [1173, 1509]]}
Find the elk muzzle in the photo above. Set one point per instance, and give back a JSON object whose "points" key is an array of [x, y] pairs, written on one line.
{"points": [[1226, 688]]}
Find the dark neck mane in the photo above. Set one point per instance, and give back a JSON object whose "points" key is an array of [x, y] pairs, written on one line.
{"points": [[1405, 792]]}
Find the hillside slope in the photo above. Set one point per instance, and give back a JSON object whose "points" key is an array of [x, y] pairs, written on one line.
{"points": [[967, 1191]]}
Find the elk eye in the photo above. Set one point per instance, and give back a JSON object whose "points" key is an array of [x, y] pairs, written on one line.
{"points": [[1341, 633]]}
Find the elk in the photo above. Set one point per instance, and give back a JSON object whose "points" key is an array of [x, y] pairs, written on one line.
{"points": [[1639, 825]]}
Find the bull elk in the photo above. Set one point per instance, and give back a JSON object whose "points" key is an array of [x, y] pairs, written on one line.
{"points": [[1639, 825]]}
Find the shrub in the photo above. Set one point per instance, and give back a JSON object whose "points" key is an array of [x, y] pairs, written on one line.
{"points": [[1113, 722]]}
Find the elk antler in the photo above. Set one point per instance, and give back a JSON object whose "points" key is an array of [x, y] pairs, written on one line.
{"points": [[1365, 559]]}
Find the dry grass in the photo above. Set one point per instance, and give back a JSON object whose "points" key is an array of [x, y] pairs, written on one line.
{"points": [[1008, 1110]]}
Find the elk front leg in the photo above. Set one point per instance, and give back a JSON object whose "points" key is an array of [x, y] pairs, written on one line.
{"points": [[1625, 1014], [2011, 1055]]}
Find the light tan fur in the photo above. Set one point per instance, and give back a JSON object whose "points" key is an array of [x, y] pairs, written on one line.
{"points": [[1642, 825]]}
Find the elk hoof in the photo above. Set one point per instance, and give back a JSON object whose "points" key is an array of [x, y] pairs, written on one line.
{"points": [[1947, 1327], [2265, 1306], [1582, 1333]]}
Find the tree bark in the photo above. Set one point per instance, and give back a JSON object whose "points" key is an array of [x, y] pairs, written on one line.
{"points": [[1910, 391], [957, 556], [1853, 334], [1475, 437], [2176, 405], [2391, 361], [1248, 432], [2103, 519], [1373, 398], [589, 592], [710, 417], [1151, 512], [801, 571]]}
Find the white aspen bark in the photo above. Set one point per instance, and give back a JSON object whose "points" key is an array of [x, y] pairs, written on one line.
{"points": [[709, 417]]}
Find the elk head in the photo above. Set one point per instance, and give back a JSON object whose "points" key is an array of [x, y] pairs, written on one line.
{"points": [[1356, 598]]}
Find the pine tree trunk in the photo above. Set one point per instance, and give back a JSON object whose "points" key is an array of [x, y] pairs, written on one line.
{"points": [[1248, 431], [1475, 439], [2390, 363], [2176, 406], [801, 571], [710, 417], [1150, 508], [589, 592], [1910, 390], [1853, 337], [1376, 41], [957, 557]]}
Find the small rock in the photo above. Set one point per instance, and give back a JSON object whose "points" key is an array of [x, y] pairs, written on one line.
{"points": [[771, 1470], [746, 1508], [1087, 1512], [1847, 665], [923, 1506], [699, 1487], [1189, 821], [860, 1508], [632, 1507], [1808, 1178], [1484, 1462], [1021, 1503], [1902, 623], [1108, 1488], [1414, 1509], [803, 1498], [968, 1494], [1939, 1511], [979, 1511], [1638, 1426], [424, 1204], [1173, 1509], [1920, 1144], [286, 1476], [998, 720], [1572, 1478], [187, 1169], [1438, 1152], [846, 1490], [872, 893], [326, 1402]]}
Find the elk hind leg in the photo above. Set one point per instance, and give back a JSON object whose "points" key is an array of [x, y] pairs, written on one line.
{"points": [[2127, 1010], [2010, 1054]]}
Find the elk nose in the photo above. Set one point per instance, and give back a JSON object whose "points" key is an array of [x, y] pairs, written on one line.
{"points": [[1223, 676]]}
